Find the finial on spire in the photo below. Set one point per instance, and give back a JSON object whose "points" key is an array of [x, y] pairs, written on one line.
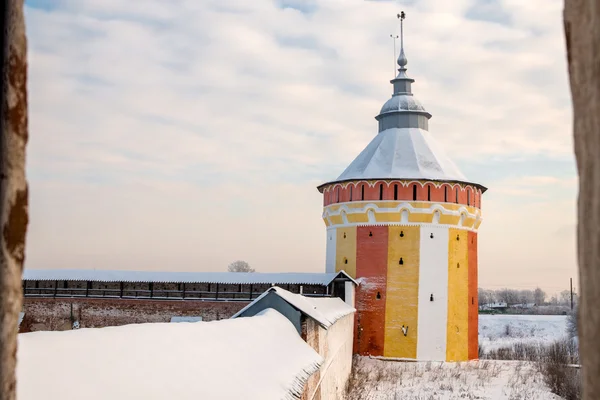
{"points": [[402, 61]]}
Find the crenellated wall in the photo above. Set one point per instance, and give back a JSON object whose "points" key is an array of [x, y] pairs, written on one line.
{"points": [[402, 190], [417, 297]]}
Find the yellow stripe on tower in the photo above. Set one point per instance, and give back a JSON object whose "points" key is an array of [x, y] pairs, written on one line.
{"points": [[345, 258], [458, 296], [401, 307]]}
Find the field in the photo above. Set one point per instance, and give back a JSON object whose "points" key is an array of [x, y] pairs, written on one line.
{"points": [[504, 330], [484, 380]]}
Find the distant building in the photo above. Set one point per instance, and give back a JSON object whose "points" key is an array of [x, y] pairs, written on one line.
{"points": [[402, 219], [500, 306]]}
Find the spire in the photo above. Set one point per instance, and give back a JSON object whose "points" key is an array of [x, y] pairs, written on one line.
{"points": [[402, 61], [403, 110]]}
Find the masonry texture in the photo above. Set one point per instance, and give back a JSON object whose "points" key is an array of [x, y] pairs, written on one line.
{"points": [[58, 314]]}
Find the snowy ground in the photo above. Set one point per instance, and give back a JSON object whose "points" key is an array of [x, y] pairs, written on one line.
{"points": [[497, 331], [482, 380]]}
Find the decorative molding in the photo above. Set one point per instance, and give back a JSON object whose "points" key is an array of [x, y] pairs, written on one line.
{"points": [[370, 214]]}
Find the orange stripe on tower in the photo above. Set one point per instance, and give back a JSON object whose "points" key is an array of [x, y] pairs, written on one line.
{"points": [[371, 264], [473, 300]]}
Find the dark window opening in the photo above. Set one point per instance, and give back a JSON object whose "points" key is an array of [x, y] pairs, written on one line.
{"points": [[344, 235], [401, 233], [337, 195], [456, 195], [396, 192], [468, 198], [431, 297], [345, 261], [457, 237], [428, 193], [362, 194], [445, 194], [401, 262], [381, 191], [414, 192], [370, 234], [350, 193], [472, 300], [457, 265], [431, 236], [378, 295]]}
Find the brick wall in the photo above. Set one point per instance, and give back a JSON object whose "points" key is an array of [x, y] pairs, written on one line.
{"points": [[55, 314]]}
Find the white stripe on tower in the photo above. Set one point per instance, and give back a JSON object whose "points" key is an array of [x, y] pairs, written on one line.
{"points": [[433, 280], [330, 252]]}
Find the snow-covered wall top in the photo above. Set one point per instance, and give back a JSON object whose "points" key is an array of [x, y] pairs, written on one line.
{"points": [[292, 278], [262, 357]]}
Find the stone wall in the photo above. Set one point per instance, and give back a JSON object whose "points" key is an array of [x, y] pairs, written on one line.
{"points": [[335, 345], [48, 314]]}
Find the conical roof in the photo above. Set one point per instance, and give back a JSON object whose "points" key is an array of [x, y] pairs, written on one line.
{"points": [[403, 153], [403, 148]]}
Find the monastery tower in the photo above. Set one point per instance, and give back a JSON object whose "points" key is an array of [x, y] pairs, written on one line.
{"points": [[403, 220]]}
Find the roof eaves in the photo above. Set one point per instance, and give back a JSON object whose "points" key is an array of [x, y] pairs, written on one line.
{"points": [[321, 187]]}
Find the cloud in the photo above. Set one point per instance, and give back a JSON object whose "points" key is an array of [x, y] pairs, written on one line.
{"points": [[183, 134]]}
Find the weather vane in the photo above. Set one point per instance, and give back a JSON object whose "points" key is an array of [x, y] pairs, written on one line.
{"points": [[401, 17]]}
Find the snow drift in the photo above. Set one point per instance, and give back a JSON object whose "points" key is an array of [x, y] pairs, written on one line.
{"points": [[262, 357]]}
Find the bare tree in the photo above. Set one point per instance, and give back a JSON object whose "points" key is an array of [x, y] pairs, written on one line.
{"points": [[240, 266], [13, 185], [539, 296], [582, 34]]}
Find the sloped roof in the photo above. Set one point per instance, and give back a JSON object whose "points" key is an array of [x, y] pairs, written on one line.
{"points": [[262, 357], [323, 310], [403, 153], [292, 278]]}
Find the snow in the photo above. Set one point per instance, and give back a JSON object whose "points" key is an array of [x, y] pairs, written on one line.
{"points": [[292, 278], [402, 102], [325, 310], [403, 153], [526, 329], [483, 380], [262, 357]]}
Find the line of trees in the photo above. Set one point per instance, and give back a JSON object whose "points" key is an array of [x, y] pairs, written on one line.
{"points": [[516, 296]]}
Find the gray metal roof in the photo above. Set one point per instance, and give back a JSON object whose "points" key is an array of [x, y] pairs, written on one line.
{"points": [[325, 311], [403, 153], [292, 278], [402, 102]]}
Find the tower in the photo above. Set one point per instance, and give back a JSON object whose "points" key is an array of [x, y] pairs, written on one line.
{"points": [[402, 219]]}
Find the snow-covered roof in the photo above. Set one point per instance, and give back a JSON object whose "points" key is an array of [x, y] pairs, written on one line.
{"points": [[292, 278], [323, 310], [402, 103], [262, 357], [403, 153]]}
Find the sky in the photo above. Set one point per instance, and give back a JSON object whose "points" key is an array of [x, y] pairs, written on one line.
{"points": [[184, 135]]}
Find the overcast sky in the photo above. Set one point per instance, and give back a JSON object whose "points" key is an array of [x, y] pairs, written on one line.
{"points": [[183, 135]]}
